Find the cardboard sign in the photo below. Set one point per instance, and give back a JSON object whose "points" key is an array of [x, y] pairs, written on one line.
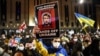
{"points": [[47, 20]]}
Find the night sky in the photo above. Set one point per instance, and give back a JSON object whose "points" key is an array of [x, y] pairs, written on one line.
{"points": [[96, 1]]}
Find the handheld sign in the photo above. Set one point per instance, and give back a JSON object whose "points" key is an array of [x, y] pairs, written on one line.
{"points": [[47, 20]]}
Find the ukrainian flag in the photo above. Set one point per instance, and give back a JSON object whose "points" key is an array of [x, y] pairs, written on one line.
{"points": [[83, 19]]}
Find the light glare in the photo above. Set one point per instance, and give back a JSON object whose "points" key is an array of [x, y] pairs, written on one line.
{"points": [[81, 1]]}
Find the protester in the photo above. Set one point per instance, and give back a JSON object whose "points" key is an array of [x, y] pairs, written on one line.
{"points": [[54, 49], [93, 49]]}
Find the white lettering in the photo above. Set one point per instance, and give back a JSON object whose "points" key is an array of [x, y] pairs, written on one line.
{"points": [[47, 34], [46, 7]]}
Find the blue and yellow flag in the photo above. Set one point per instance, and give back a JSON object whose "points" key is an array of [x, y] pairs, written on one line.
{"points": [[83, 19]]}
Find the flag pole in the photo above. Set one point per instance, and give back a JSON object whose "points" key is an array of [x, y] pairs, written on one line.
{"points": [[85, 30]]}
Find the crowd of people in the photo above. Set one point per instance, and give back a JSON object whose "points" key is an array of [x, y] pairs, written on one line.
{"points": [[77, 44]]}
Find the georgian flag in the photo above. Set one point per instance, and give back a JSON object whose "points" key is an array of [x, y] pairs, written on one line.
{"points": [[22, 26]]}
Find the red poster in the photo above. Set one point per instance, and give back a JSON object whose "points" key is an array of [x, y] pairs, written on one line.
{"points": [[46, 19]]}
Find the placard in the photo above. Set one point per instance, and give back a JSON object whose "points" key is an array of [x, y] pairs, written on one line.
{"points": [[47, 20]]}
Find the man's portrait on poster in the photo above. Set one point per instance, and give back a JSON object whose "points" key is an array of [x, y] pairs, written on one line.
{"points": [[46, 19]]}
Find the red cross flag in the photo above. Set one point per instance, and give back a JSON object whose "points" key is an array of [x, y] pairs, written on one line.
{"points": [[23, 26]]}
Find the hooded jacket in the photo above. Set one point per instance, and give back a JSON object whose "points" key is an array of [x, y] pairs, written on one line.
{"points": [[60, 51], [50, 51]]}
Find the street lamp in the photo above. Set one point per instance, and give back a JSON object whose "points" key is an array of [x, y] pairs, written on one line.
{"points": [[81, 1]]}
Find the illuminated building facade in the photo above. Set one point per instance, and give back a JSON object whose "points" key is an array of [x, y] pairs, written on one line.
{"points": [[14, 12]]}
